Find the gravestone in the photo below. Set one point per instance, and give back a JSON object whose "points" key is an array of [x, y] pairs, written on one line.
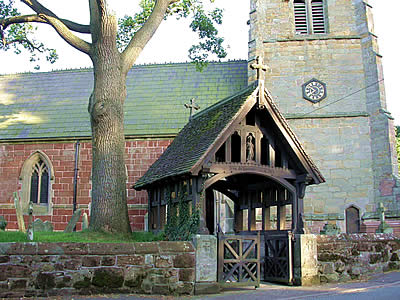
{"points": [[18, 211], [383, 226], [72, 222], [330, 229], [85, 221], [3, 223], [146, 222], [29, 232], [39, 225]]}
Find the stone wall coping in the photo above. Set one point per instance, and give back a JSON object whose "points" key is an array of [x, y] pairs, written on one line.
{"points": [[360, 237], [37, 248]]}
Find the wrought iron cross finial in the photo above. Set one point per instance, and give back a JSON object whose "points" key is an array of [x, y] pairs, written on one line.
{"points": [[259, 66], [192, 106], [381, 211]]}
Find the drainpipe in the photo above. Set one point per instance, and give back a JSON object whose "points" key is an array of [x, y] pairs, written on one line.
{"points": [[76, 174]]}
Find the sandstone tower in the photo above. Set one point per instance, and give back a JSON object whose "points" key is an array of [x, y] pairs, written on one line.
{"points": [[325, 74]]}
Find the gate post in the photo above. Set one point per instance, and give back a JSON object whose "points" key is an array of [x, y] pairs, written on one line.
{"points": [[206, 264], [305, 260]]}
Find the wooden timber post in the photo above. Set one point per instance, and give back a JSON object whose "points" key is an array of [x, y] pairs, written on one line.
{"points": [[298, 206]]}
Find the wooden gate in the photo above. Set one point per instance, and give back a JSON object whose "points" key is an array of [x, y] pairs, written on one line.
{"points": [[239, 260], [278, 259]]}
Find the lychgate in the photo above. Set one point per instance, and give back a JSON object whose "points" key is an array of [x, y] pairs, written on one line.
{"points": [[240, 163]]}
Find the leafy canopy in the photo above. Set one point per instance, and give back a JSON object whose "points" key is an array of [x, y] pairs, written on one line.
{"points": [[20, 36]]}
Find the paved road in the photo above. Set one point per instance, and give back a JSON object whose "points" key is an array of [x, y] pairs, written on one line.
{"points": [[380, 287]]}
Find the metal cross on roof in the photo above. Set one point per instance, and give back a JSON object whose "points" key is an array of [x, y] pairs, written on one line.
{"points": [[381, 211], [259, 66], [192, 106]]}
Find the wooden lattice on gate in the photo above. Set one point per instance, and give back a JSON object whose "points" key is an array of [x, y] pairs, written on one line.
{"points": [[239, 260], [278, 258]]}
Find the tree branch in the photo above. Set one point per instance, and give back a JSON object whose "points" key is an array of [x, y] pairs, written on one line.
{"points": [[40, 9], [101, 6], [67, 35], [94, 20], [21, 19], [145, 33], [30, 44]]}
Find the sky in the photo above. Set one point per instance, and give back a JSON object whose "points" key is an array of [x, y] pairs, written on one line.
{"points": [[173, 39]]}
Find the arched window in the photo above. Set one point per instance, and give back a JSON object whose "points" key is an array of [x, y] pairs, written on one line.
{"points": [[40, 183], [36, 176]]}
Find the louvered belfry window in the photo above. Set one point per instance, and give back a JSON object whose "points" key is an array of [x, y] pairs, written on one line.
{"points": [[318, 19], [300, 17], [309, 17], [40, 183]]}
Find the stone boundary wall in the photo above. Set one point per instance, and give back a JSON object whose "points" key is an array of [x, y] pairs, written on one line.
{"points": [[345, 257], [50, 269]]}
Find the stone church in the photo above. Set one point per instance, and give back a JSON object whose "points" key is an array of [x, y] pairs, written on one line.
{"points": [[323, 73]]}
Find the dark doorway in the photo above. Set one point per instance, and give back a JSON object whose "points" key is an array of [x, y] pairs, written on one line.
{"points": [[352, 220]]}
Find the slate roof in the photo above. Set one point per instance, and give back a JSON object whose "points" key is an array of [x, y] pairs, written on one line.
{"points": [[195, 139], [54, 104]]}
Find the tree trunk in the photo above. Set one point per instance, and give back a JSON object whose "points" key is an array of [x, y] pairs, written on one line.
{"points": [[109, 210]]}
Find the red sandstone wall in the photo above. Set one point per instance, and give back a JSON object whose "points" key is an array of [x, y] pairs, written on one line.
{"points": [[67, 269], [139, 156]]}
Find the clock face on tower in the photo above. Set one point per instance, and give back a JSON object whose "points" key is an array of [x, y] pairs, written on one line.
{"points": [[314, 90]]}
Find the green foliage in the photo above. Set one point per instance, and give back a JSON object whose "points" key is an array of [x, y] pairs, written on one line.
{"points": [[12, 236], [128, 26], [19, 37], [181, 225], [203, 23], [80, 237]]}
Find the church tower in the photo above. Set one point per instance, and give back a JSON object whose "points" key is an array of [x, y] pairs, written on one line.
{"points": [[325, 74]]}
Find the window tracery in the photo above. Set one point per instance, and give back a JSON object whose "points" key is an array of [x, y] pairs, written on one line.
{"points": [[36, 179], [40, 181]]}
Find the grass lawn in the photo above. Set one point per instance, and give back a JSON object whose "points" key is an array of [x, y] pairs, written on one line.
{"points": [[80, 237]]}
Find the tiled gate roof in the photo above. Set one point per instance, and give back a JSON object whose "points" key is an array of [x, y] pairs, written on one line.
{"points": [[195, 139]]}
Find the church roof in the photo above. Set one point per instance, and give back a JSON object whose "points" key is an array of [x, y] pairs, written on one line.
{"points": [[190, 148], [51, 105]]}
